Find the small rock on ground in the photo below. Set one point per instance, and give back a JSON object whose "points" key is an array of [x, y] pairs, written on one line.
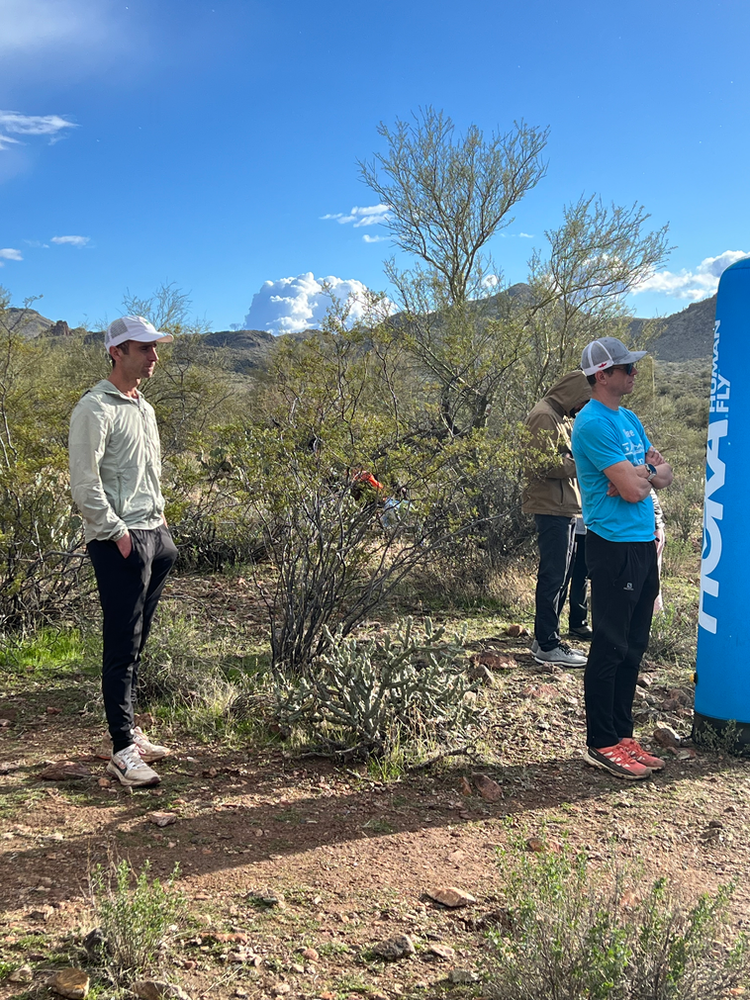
{"points": [[665, 736], [451, 897], [152, 989], [281, 990], [539, 846], [443, 951], [393, 948], [162, 818], [462, 976], [64, 770], [487, 788], [71, 983]]}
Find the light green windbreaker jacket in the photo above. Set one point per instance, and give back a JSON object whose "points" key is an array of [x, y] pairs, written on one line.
{"points": [[115, 463]]}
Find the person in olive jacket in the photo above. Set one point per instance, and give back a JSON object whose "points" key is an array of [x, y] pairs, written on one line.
{"points": [[551, 495], [115, 472]]}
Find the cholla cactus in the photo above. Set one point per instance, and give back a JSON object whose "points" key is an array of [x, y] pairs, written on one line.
{"points": [[363, 694]]}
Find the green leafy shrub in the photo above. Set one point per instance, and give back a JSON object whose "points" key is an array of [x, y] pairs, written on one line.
{"points": [[375, 695], [200, 673], [673, 635], [136, 915], [42, 561], [573, 935], [41, 558]]}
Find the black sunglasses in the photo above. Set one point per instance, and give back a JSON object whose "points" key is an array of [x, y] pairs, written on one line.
{"points": [[628, 369]]}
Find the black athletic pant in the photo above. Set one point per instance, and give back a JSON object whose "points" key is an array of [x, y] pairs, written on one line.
{"points": [[579, 599], [129, 590], [555, 536], [624, 585]]}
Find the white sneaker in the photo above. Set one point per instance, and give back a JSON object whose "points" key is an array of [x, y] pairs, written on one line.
{"points": [[149, 751], [130, 768], [562, 655]]}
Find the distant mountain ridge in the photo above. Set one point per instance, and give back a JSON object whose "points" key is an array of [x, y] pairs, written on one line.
{"points": [[684, 336]]}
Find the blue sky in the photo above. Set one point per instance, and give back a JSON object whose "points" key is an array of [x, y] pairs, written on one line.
{"points": [[205, 142]]}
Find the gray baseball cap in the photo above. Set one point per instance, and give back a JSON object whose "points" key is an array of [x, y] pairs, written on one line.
{"points": [[605, 352]]}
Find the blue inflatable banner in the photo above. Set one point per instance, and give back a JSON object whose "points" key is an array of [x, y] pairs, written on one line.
{"points": [[722, 681]]}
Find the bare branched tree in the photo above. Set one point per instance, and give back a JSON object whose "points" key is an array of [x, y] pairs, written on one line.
{"points": [[447, 196]]}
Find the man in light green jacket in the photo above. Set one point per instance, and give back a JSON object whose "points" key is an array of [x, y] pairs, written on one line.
{"points": [[115, 471]]}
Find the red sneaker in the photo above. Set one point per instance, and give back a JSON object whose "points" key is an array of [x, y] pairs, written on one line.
{"points": [[618, 761], [637, 752]]}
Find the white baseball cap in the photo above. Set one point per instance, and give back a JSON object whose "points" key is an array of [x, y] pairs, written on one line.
{"points": [[605, 352], [134, 328]]}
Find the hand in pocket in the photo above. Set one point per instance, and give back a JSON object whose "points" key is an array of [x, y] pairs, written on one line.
{"points": [[125, 545]]}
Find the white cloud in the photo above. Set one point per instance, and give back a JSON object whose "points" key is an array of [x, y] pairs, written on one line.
{"points": [[526, 236], [14, 123], [693, 285], [371, 215], [9, 254], [290, 305], [373, 239], [73, 241]]}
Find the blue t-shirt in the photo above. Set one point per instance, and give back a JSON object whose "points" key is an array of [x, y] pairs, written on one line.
{"points": [[603, 437]]}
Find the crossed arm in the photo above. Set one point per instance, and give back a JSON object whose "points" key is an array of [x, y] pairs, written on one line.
{"points": [[631, 482]]}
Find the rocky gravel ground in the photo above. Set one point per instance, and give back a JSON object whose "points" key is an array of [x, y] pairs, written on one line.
{"points": [[309, 880]]}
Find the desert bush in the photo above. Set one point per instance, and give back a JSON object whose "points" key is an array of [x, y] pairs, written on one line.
{"points": [[137, 917], [571, 934], [374, 695], [673, 635], [41, 559], [336, 564], [683, 504], [681, 560], [190, 669]]}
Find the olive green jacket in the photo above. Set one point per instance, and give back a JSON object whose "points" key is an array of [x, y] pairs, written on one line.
{"points": [[552, 488], [115, 462]]}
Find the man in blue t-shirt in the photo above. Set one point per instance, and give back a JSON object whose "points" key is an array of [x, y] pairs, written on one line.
{"points": [[617, 467]]}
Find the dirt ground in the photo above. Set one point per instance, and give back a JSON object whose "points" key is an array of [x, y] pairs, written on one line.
{"points": [[294, 868]]}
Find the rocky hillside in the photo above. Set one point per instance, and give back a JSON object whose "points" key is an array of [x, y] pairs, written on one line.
{"points": [[30, 324], [683, 336]]}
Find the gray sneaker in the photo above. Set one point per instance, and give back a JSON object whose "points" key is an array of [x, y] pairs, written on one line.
{"points": [[562, 655], [130, 768], [534, 647]]}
